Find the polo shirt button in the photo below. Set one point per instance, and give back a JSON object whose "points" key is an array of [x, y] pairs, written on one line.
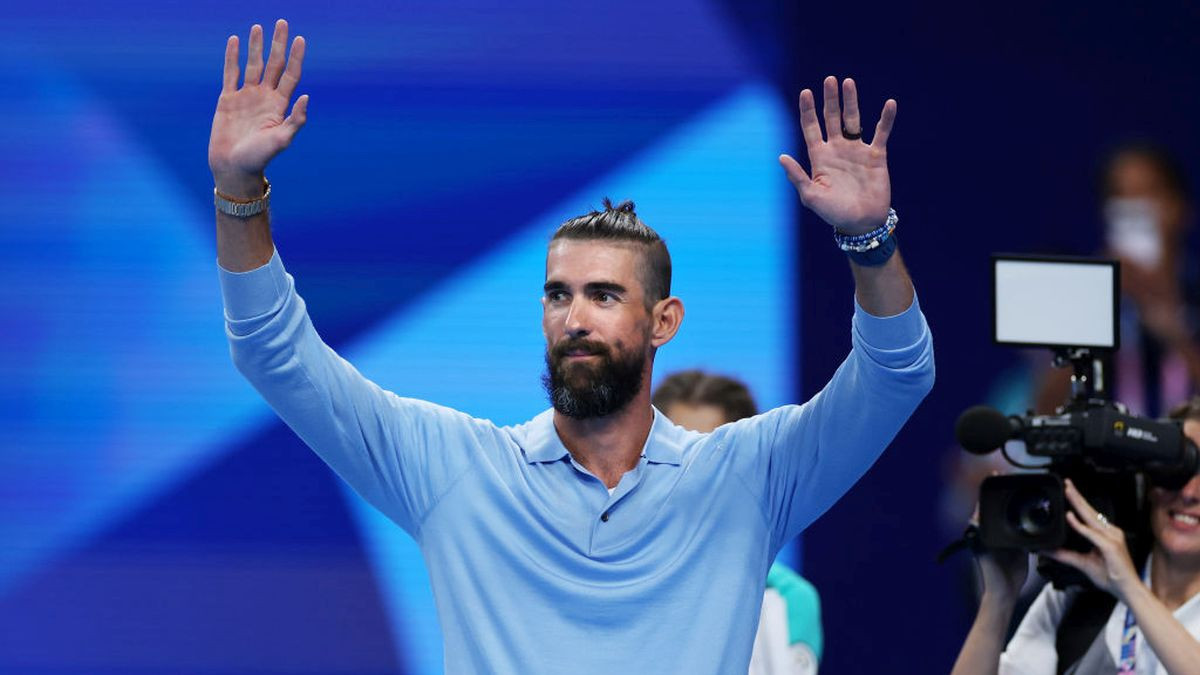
{"points": [[604, 517]]}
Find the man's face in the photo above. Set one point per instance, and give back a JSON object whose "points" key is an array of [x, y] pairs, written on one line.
{"points": [[596, 325], [1175, 514]]}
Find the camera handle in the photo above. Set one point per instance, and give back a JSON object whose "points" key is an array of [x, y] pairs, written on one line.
{"points": [[1087, 376]]}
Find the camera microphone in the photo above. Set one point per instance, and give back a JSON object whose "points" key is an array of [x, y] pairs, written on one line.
{"points": [[981, 429]]}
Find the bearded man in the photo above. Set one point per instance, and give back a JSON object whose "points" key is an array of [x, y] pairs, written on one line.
{"points": [[591, 538]]}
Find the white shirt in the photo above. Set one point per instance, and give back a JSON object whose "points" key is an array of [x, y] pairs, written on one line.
{"points": [[1031, 650], [773, 654]]}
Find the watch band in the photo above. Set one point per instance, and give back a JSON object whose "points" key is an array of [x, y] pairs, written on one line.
{"points": [[243, 209]]}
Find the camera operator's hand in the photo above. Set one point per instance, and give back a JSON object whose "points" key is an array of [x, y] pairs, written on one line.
{"points": [[1109, 564], [1003, 572]]}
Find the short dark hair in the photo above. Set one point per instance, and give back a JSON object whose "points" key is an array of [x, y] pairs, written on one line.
{"points": [[1188, 410], [1168, 166], [696, 387], [620, 223]]}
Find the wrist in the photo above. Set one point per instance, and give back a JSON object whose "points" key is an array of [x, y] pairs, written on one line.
{"points": [[1132, 592], [998, 602], [872, 248], [240, 186]]}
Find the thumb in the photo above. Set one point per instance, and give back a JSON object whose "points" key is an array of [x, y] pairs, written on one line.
{"points": [[795, 173], [299, 114]]}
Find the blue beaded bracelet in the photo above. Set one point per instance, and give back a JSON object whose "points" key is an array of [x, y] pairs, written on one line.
{"points": [[870, 249]]}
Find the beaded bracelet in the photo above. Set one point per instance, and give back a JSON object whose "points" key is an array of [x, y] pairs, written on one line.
{"points": [[873, 248]]}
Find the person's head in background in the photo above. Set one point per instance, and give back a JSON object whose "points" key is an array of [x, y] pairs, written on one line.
{"points": [[702, 401], [1146, 203], [1175, 514]]}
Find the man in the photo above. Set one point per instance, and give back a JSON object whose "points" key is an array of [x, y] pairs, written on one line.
{"points": [[789, 638], [587, 538]]}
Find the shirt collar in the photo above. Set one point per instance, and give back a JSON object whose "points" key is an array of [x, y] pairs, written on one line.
{"points": [[662, 445], [543, 444]]}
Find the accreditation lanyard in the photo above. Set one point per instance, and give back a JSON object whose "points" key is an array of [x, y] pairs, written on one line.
{"points": [[1128, 645]]}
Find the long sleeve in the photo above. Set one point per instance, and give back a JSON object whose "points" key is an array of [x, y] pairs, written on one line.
{"points": [[399, 454], [810, 455]]}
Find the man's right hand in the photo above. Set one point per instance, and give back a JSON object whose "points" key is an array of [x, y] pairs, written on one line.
{"points": [[249, 127]]}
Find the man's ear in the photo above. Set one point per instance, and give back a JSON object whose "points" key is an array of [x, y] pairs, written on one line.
{"points": [[666, 317]]}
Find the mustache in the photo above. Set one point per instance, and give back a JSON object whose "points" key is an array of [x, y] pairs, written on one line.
{"points": [[559, 351]]}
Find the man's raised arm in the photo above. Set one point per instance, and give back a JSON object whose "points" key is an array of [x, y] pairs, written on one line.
{"points": [[397, 453], [249, 129], [812, 454]]}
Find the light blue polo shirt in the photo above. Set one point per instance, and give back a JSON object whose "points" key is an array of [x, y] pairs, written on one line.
{"points": [[535, 567]]}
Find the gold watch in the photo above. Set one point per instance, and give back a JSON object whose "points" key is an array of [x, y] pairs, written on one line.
{"points": [[243, 208]]}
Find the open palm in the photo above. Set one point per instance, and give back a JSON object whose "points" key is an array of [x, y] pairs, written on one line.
{"points": [[849, 186], [249, 127]]}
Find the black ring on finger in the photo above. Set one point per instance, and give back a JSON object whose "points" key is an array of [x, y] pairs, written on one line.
{"points": [[851, 136]]}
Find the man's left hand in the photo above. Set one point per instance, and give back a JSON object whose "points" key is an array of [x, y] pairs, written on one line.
{"points": [[849, 187]]}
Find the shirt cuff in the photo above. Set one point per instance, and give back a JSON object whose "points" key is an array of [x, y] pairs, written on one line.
{"points": [[252, 294], [890, 332]]}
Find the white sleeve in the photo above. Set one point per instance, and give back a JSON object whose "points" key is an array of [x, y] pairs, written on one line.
{"points": [[1031, 650]]}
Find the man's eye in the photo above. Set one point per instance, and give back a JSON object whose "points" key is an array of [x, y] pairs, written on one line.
{"points": [[556, 296], [605, 297]]}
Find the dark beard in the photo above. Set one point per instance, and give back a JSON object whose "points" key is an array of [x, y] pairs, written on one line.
{"points": [[584, 391]]}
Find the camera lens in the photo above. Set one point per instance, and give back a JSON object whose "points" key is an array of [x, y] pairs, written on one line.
{"points": [[1030, 513]]}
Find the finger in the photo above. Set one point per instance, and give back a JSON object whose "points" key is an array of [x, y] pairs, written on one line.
{"points": [[809, 125], [299, 115], [229, 83], [795, 173], [1080, 561], [254, 56], [1090, 533], [850, 116], [278, 46], [1090, 515], [884, 128], [291, 76], [833, 112]]}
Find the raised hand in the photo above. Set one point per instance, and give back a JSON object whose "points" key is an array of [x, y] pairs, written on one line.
{"points": [[849, 187], [249, 127], [1108, 565]]}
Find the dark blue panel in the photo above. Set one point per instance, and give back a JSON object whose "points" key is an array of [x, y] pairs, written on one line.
{"points": [[252, 565]]}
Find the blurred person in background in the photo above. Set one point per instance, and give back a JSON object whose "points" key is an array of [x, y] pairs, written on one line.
{"points": [[1147, 212], [789, 638], [1153, 626]]}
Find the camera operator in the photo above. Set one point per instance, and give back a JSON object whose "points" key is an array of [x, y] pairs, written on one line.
{"points": [[1155, 625]]}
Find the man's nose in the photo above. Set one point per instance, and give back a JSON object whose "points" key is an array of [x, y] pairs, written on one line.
{"points": [[577, 324]]}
